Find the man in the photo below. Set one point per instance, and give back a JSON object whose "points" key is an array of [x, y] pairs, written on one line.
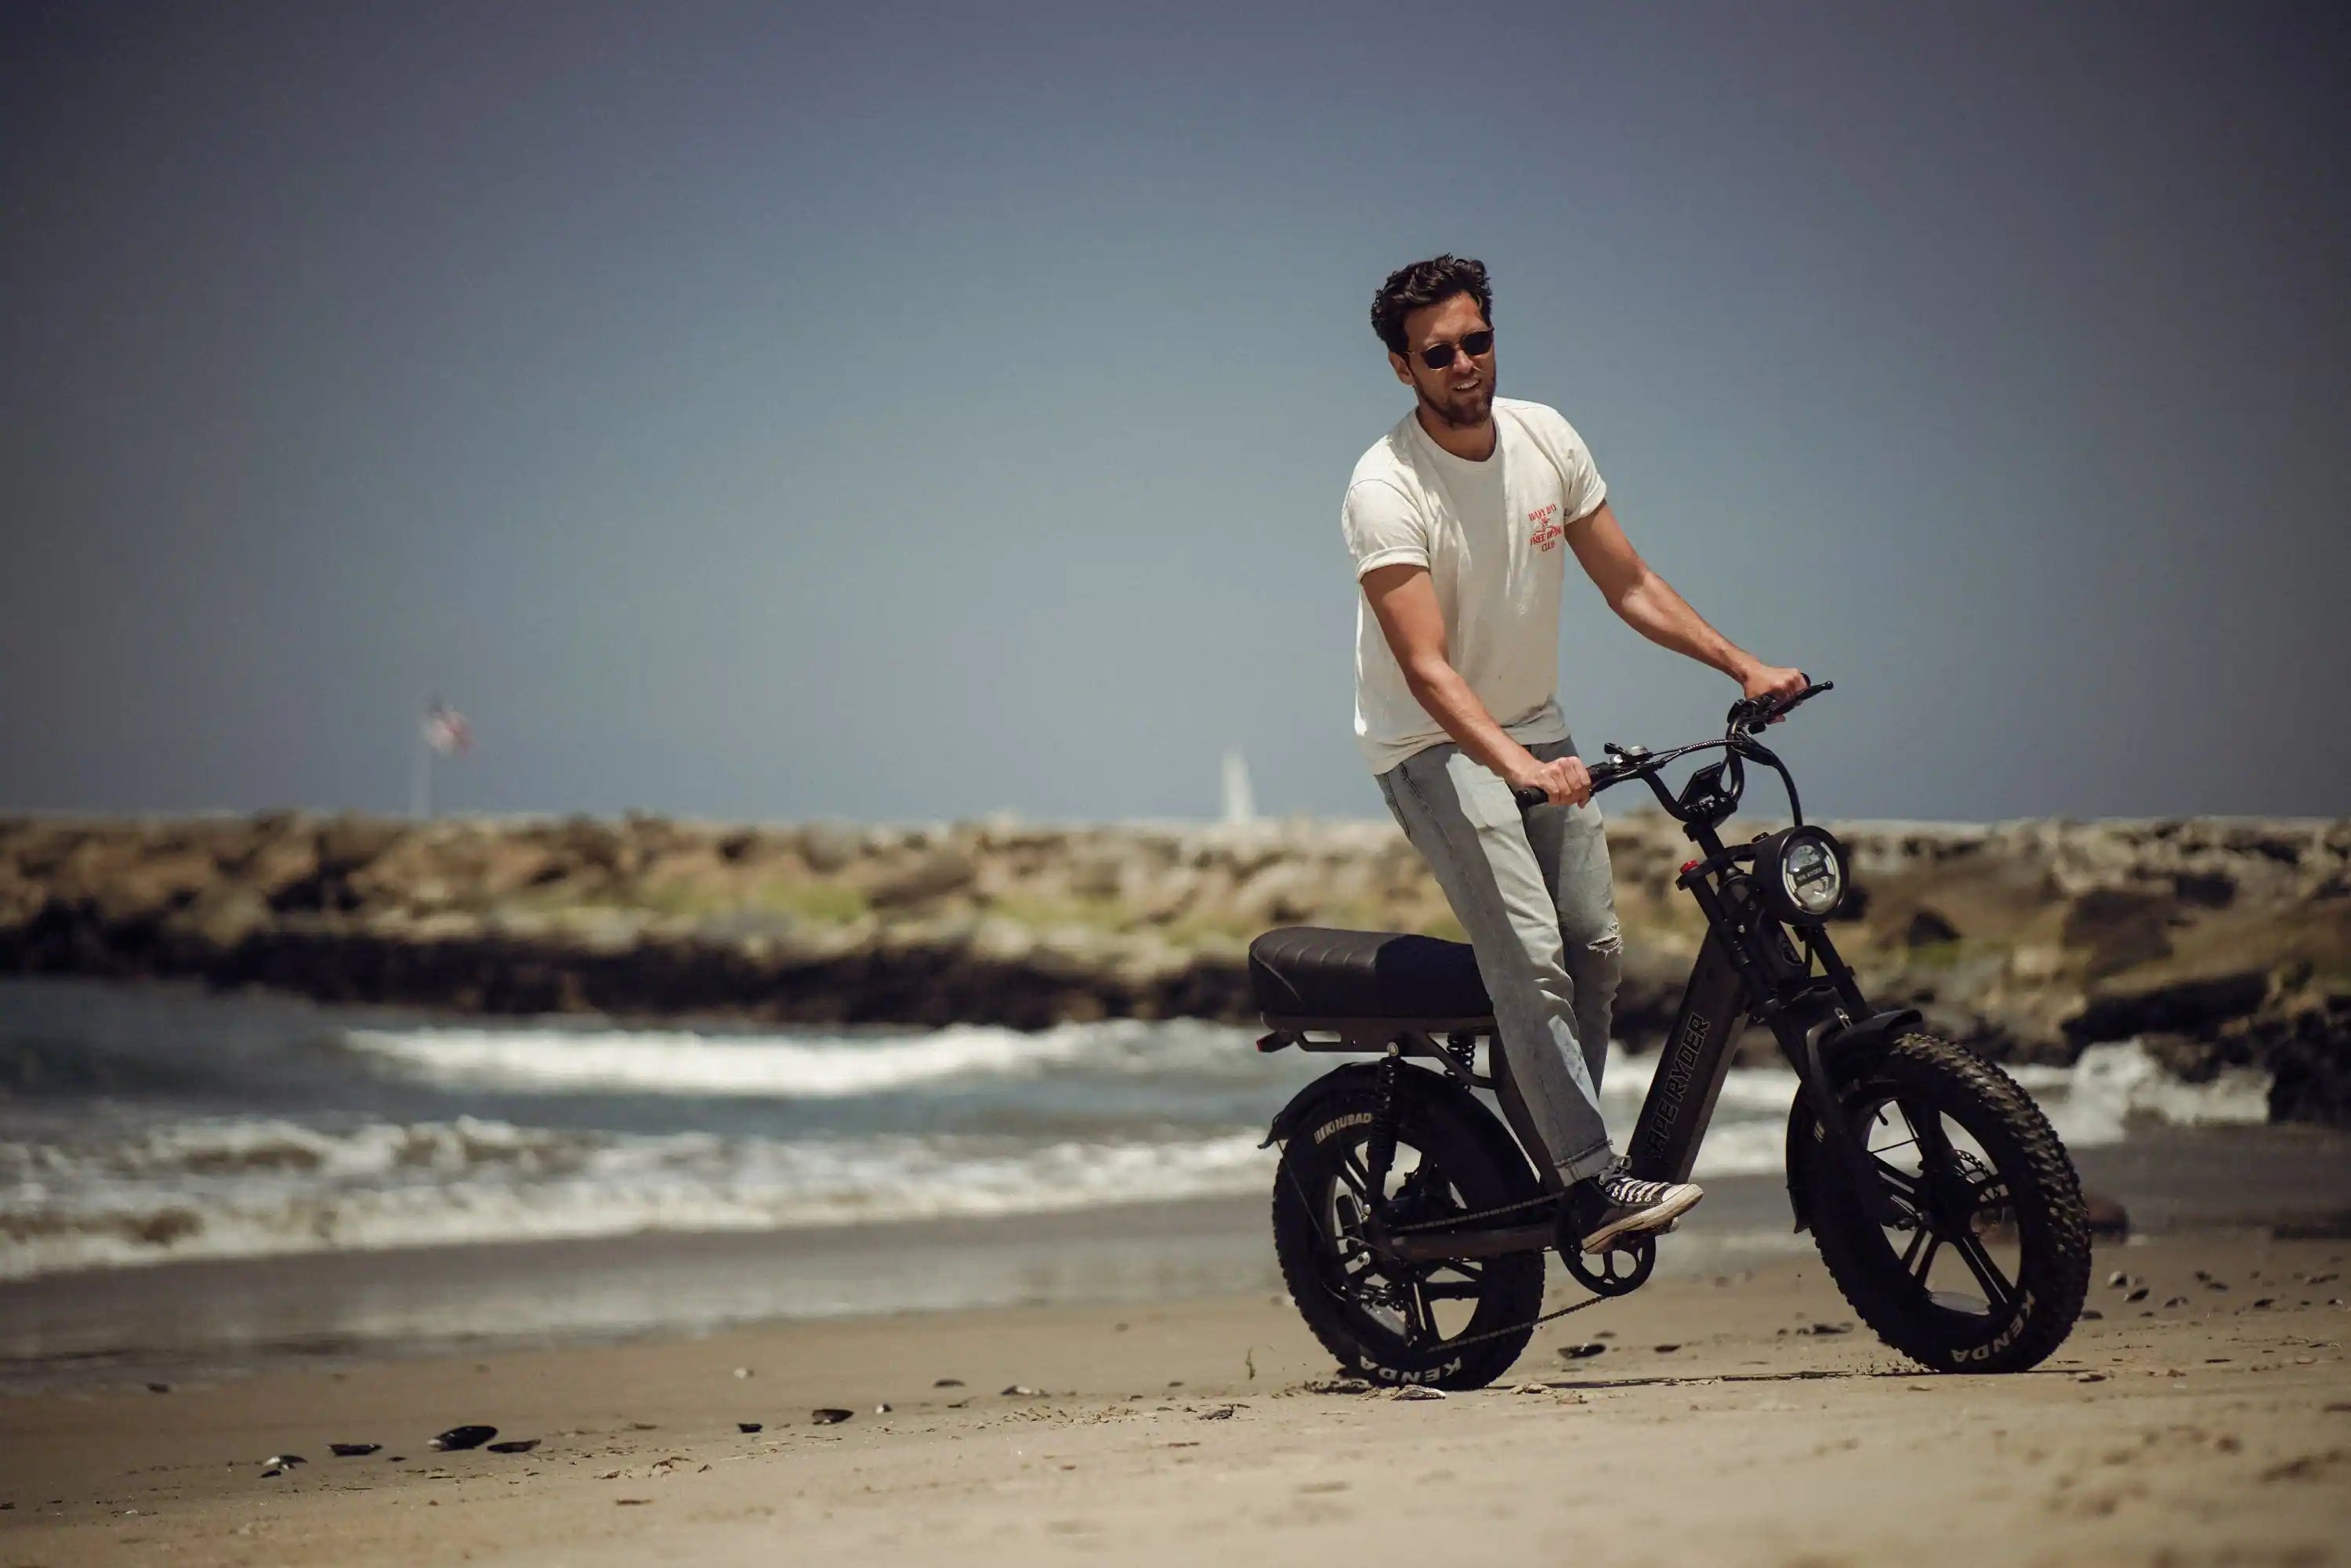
{"points": [[1457, 519]]}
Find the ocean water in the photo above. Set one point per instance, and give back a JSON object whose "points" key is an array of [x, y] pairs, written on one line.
{"points": [[145, 1124]]}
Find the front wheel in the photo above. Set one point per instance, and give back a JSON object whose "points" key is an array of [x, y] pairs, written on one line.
{"points": [[1980, 1258], [1452, 1324]]}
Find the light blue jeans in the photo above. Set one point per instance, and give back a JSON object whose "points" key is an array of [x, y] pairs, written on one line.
{"points": [[1533, 893]]}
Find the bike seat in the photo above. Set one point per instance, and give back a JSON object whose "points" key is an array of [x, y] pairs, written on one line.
{"points": [[1307, 972]]}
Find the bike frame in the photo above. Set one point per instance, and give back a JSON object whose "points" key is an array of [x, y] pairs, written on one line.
{"points": [[1749, 968]]}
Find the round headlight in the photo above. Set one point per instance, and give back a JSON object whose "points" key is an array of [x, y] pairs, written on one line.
{"points": [[1802, 873]]}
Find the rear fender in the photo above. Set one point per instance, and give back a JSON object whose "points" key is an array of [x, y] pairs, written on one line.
{"points": [[1413, 1083], [1356, 1074], [1862, 1040]]}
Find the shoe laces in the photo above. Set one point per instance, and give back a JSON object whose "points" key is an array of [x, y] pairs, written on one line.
{"points": [[1618, 1187]]}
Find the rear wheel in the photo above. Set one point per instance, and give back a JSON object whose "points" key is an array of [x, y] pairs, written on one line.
{"points": [[1981, 1257], [1390, 1320]]}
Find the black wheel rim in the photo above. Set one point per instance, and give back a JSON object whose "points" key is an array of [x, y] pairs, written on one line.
{"points": [[1420, 1308], [1952, 1235]]}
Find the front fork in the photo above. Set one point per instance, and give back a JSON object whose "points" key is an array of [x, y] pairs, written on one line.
{"points": [[1812, 1026], [1809, 1052]]}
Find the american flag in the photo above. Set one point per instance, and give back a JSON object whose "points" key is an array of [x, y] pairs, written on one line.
{"points": [[446, 731]]}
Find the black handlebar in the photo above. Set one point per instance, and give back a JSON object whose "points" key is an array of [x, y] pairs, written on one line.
{"points": [[1747, 716]]}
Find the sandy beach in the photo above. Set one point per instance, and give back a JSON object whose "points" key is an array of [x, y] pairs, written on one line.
{"points": [[1737, 1417]]}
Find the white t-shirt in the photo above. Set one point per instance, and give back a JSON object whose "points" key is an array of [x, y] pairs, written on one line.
{"points": [[1493, 536]]}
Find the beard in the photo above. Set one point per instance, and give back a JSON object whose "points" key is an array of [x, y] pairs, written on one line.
{"points": [[1462, 409]]}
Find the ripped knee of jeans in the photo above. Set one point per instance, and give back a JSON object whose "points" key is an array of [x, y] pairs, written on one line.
{"points": [[1603, 959]]}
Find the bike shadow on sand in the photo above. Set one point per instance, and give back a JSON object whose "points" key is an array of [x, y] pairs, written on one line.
{"points": [[1802, 1375]]}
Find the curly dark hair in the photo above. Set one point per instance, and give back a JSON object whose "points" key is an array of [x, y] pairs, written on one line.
{"points": [[1429, 282]]}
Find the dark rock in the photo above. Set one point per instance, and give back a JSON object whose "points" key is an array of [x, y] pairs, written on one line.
{"points": [[285, 1461], [750, 1426], [2194, 1059], [2309, 1059], [515, 1446], [2139, 1293], [948, 1382], [1585, 1351], [830, 1416], [457, 1437], [1927, 929], [2118, 929], [2205, 890], [2181, 1006], [353, 1451], [2107, 1216]]}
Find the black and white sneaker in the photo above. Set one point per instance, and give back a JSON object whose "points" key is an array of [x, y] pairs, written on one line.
{"points": [[1614, 1204]]}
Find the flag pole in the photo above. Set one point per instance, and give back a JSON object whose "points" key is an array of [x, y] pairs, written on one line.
{"points": [[419, 780]]}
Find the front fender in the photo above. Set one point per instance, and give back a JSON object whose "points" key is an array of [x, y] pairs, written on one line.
{"points": [[1803, 1128]]}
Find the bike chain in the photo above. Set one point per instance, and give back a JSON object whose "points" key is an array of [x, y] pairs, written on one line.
{"points": [[1529, 1323], [1541, 1197]]}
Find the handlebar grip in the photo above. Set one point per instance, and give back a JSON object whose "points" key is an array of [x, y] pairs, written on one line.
{"points": [[1528, 798], [1754, 710]]}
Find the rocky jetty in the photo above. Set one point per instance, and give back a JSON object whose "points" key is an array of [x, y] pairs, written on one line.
{"points": [[2219, 942]]}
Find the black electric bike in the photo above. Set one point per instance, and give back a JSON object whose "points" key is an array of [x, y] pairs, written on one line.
{"points": [[1411, 1224]]}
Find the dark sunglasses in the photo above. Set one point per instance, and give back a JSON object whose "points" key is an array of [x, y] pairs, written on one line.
{"points": [[1437, 356]]}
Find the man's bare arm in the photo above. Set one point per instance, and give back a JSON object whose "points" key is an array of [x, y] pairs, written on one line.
{"points": [[1650, 606], [1404, 600]]}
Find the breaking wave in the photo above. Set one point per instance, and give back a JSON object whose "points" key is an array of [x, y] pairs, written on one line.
{"points": [[222, 1186], [249, 1188], [800, 1065]]}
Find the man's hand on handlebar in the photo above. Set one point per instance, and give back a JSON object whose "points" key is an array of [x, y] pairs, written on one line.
{"points": [[1561, 783], [1774, 685]]}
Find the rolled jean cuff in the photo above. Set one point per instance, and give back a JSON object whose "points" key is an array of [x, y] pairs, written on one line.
{"points": [[1588, 1164]]}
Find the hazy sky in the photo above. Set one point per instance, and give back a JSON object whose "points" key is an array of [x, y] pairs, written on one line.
{"points": [[885, 411]]}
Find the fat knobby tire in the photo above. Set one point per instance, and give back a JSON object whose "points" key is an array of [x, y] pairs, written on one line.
{"points": [[2052, 1227], [1476, 1157]]}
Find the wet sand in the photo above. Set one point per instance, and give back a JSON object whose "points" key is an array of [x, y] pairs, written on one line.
{"points": [[210, 1318], [2215, 1430]]}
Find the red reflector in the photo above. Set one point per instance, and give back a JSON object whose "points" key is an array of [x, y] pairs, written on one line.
{"points": [[1689, 866]]}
